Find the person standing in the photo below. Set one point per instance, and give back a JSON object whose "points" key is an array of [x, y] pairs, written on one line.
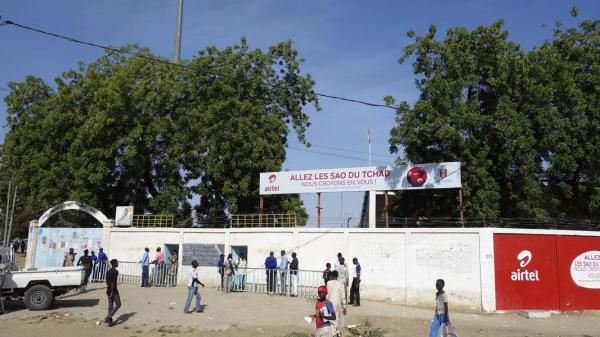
{"points": [[174, 259], [193, 290], [271, 266], [159, 261], [326, 272], [69, 258], [86, 262], [441, 315], [294, 275], [23, 246], [283, 267], [343, 275], [114, 299], [324, 314], [337, 261], [228, 271], [241, 273], [221, 266], [335, 294], [355, 287], [94, 259], [145, 267], [102, 262]]}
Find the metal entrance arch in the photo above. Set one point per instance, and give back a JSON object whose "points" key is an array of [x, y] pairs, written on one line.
{"points": [[73, 205]]}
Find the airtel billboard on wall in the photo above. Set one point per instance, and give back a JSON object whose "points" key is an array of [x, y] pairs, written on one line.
{"points": [[356, 179], [547, 272], [526, 276]]}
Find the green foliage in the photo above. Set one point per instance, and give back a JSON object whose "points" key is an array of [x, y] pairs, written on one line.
{"points": [[130, 131], [288, 203], [524, 125]]}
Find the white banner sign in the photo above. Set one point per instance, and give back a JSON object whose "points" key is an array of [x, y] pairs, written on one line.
{"points": [[585, 270], [356, 179]]}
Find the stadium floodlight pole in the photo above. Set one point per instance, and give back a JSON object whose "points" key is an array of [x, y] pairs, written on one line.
{"points": [[178, 31]]}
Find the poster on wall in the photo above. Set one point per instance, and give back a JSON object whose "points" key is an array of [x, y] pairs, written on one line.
{"points": [[205, 254], [124, 216], [54, 243]]}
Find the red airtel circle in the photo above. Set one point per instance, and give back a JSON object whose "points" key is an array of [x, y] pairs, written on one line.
{"points": [[416, 176]]}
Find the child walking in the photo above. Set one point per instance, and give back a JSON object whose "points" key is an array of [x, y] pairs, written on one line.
{"points": [[324, 313], [441, 316]]}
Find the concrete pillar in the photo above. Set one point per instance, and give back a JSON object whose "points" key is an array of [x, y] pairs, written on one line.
{"points": [[372, 212], [32, 238], [180, 278], [106, 229]]}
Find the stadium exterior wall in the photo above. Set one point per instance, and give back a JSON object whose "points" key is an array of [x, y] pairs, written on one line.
{"points": [[399, 265]]}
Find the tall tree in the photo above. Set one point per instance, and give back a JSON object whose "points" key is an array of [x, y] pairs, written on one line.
{"points": [[127, 130], [565, 113], [503, 114]]}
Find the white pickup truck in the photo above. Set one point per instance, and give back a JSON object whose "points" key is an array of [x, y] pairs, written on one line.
{"points": [[36, 286]]}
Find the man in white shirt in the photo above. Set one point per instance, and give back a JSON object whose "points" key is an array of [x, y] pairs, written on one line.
{"points": [[335, 295], [343, 275], [283, 270], [193, 283]]}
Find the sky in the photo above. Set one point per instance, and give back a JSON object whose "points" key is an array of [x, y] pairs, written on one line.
{"points": [[351, 49]]}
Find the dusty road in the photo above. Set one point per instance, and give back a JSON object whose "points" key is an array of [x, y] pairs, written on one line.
{"points": [[147, 312]]}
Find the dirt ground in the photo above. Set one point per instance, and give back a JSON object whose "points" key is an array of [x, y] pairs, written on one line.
{"points": [[158, 312]]}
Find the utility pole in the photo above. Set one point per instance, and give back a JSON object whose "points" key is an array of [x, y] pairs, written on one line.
{"points": [[12, 214], [369, 138], [372, 194], [178, 31], [342, 207], [4, 233]]}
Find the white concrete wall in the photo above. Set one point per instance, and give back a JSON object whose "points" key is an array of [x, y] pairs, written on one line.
{"points": [[400, 265]]}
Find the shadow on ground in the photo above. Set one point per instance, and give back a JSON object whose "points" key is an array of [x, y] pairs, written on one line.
{"points": [[75, 303], [124, 318]]}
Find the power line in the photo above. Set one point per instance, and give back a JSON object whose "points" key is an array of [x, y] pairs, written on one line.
{"points": [[357, 101], [329, 154], [346, 150], [140, 55], [91, 44]]}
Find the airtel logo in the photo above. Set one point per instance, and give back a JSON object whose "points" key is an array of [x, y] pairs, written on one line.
{"points": [[272, 178], [524, 258]]}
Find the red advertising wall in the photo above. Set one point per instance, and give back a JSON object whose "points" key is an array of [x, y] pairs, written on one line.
{"points": [[547, 272], [526, 276], [579, 272]]}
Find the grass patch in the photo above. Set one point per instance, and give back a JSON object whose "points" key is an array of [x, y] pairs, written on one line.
{"points": [[297, 334], [165, 329]]}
